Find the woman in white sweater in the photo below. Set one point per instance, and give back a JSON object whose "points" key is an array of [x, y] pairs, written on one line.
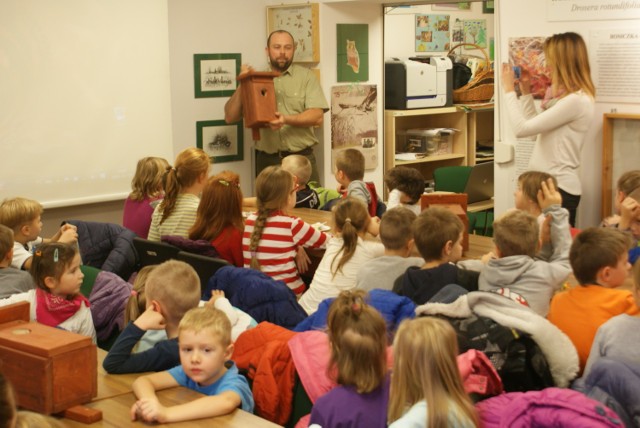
{"points": [[567, 113]]}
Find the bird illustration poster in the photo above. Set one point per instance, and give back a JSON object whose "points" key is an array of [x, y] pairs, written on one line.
{"points": [[432, 33], [354, 121], [353, 52]]}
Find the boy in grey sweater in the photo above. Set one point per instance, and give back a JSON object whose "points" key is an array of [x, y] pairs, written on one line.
{"points": [[396, 234], [515, 272]]}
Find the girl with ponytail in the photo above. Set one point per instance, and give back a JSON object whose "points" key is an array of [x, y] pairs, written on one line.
{"points": [[271, 236], [346, 253], [358, 363], [182, 186]]}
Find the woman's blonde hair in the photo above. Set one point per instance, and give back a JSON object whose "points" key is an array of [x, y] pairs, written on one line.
{"points": [[425, 368], [567, 57], [350, 217], [147, 181], [273, 187], [190, 165], [137, 302], [358, 337], [220, 207]]}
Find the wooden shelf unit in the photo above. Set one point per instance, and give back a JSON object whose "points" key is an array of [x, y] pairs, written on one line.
{"points": [[443, 117]]}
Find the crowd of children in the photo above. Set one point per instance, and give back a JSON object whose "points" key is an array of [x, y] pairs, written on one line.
{"points": [[415, 254]]}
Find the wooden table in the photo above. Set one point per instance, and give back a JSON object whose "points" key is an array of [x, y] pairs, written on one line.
{"points": [[112, 385], [115, 412]]}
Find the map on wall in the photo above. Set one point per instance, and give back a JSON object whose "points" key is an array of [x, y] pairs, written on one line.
{"points": [[432, 33]]}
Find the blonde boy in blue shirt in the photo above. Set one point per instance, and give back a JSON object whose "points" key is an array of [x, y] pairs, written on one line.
{"points": [[205, 344]]}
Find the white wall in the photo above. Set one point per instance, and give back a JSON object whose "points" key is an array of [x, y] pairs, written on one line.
{"points": [[211, 26], [520, 18]]}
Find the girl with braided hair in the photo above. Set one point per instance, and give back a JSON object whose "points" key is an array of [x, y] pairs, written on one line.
{"points": [[358, 363], [346, 253], [271, 236], [182, 186]]}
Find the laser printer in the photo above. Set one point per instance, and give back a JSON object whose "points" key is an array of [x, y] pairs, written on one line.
{"points": [[418, 82]]}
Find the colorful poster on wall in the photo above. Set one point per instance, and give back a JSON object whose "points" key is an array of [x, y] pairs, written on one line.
{"points": [[457, 34], [353, 52], [527, 53], [475, 31], [432, 33], [354, 121]]}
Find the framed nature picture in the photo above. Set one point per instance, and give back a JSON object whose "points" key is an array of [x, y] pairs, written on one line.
{"points": [[432, 33], [302, 21], [353, 52], [215, 74], [221, 141]]}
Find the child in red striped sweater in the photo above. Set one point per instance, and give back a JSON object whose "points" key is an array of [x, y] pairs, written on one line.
{"points": [[271, 236]]}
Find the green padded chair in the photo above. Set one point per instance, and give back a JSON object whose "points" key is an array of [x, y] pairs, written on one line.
{"points": [[451, 178], [454, 179]]}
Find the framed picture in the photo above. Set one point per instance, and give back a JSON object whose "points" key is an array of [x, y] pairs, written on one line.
{"points": [[353, 52], [220, 140], [302, 21], [463, 5], [214, 75], [487, 6]]}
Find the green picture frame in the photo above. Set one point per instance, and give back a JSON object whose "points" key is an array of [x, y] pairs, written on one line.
{"points": [[487, 6], [223, 142], [214, 75]]}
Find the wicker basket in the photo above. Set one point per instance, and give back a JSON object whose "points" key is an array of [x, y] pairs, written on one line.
{"points": [[479, 89]]}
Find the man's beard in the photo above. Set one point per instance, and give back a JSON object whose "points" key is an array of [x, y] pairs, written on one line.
{"points": [[275, 65]]}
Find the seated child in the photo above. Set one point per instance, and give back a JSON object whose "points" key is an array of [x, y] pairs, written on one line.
{"points": [[137, 304], [57, 301], [396, 234], [300, 167], [426, 386], [146, 191], [182, 185], [23, 217], [619, 337], [219, 217], [406, 186], [350, 174], [626, 185], [12, 280], [271, 236], [205, 351], [438, 235], [526, 195], [358, 338], [598, 257], [347, 252], [516, 236], [172, 288]]}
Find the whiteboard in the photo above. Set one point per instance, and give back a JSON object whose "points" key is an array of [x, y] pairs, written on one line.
{"points": [[84, 93]]}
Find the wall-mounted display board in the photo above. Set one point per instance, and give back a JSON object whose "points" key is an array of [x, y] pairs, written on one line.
{"points": [[620, 152]]}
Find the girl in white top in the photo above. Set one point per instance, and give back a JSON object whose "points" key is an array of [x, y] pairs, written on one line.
{"points": [[346, 253], [182, 185], [566, 117], [426, 386], [57, 301]]}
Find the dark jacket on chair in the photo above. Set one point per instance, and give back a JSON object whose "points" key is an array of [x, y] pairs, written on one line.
{"points": [[259, 295], [106, 246]]}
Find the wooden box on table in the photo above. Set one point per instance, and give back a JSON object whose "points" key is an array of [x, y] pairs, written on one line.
{"points": [[258, 99], [50, 369], [454, 202]]}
